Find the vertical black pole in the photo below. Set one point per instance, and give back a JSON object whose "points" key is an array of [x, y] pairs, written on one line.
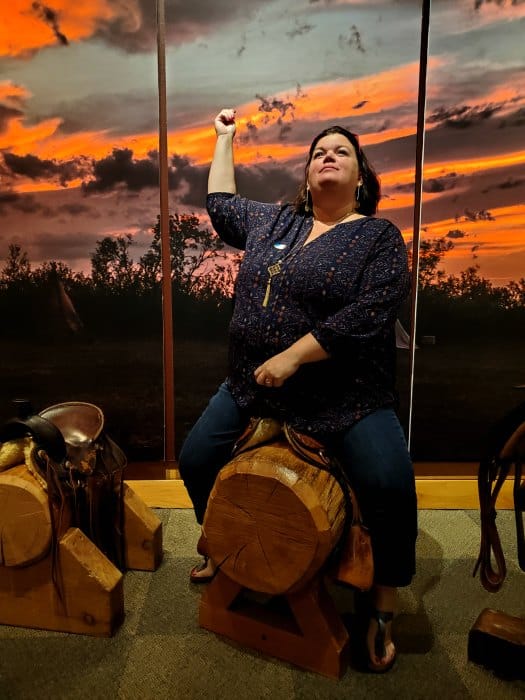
{"points": [[418, 196], [167, 303]]}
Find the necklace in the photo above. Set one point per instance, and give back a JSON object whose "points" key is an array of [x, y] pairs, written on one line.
{"points": [[277, 267], [337, 221], [274, 270]]}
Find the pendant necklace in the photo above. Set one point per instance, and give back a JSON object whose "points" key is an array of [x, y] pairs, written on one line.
{"points": [[277, 267], [274, 270]]}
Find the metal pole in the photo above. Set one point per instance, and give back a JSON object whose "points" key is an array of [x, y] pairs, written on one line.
{"points": [[167, 302], [418, 196]]}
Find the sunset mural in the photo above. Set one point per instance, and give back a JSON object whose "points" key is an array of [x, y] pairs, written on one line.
{"points": [[79, 115], [78, 125]]}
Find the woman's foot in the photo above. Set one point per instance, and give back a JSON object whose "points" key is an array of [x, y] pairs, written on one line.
{"points": [[381, 649], [203, 572]]}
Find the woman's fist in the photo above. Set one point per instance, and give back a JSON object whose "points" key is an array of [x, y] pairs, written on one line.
{"points": [[225, 122]]}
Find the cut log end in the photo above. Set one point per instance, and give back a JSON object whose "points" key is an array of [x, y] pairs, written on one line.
{"points": [[25, 523], [271, 522]]}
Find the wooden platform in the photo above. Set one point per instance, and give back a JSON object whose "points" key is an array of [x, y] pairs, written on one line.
{"points": [[456, 488]]}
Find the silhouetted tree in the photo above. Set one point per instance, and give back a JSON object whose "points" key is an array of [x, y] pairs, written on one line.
{"points": [[516, 291], [431, 253], [201, 266], [112, 268], [17, 269]]}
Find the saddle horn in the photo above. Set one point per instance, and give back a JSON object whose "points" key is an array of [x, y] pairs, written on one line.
{"points": [[43, 431]]}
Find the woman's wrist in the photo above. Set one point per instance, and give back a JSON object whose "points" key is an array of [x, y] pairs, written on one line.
{"points": [[306, 349]]}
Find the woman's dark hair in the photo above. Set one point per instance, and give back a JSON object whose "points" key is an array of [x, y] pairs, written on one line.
{"points": [[370, 191]]}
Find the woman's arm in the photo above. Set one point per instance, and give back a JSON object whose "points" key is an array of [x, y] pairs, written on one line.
{"points": [[384, 285], [222, 175], [278, 368]]}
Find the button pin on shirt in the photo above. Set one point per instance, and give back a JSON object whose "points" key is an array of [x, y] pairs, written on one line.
{"points": [[280, 246]]}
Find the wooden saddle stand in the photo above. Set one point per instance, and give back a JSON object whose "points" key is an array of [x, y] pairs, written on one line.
{"points": [[69, 525], [276, 512], [497, 640]]}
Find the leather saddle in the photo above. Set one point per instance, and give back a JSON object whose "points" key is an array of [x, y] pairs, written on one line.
{"points": [[262, 431], [69, 453]]}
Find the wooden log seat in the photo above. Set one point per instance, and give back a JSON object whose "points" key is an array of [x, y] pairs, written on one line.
{"points": [[52, 575], [25, 521], [274, 516], [272, 520]]}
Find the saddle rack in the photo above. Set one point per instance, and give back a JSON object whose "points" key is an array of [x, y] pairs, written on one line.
{"points": [[69, 524]]}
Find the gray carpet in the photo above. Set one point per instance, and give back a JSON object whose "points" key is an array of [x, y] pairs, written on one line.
{"points": [[160, 652]]}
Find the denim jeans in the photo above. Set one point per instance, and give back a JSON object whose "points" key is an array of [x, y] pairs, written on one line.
{"points": [[373, 453]]}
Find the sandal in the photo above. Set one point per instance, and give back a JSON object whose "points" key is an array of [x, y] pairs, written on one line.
{"points": [[382, 618], [194, 578]]}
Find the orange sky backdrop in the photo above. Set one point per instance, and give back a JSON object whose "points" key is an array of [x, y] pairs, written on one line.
{"points": [[381, 99]]}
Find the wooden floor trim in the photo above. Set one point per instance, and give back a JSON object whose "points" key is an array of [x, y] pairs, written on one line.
{"points": [[445, 494], [438, 470]]}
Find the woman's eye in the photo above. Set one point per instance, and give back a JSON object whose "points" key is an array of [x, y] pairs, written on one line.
{"points": [[318, 154]]}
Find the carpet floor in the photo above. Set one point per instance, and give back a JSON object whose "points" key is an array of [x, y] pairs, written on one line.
{"points": [[160, 652]]}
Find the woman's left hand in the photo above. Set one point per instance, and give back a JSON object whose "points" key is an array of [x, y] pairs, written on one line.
{"points": [[275, 371]]}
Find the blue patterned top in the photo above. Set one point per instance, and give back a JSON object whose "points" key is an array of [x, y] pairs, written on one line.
{"points": [[345, 287]]}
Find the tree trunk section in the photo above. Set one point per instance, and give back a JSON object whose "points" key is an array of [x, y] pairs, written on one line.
{"points": [[25, 522], [273, 519]]}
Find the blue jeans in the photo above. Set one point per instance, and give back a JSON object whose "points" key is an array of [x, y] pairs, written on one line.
{"points": [[373, 453]]}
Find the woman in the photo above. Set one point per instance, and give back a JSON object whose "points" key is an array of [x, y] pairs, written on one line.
{"points": [[312, 341]]}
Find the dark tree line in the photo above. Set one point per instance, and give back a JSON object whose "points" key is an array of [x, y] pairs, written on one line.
{"points": [[465, 305], [122, 297]]}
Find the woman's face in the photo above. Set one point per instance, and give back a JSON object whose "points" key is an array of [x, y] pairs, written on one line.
{"points": [[333, 164]]}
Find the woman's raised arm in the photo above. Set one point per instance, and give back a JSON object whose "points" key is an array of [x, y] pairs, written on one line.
{"points": [[222, 174]]}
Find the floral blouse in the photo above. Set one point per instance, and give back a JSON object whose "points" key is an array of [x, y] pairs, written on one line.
{"points": [[345, 287]]}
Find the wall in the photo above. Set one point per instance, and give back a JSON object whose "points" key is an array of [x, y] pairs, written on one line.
{"points": [[79, 194]]}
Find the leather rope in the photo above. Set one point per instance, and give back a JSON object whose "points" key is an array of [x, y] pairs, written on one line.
{"points": [[492, 474], [491, 477]]}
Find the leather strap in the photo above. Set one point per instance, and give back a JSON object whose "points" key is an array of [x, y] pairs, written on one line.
{"points": [[491, 477], [519, 510], [307, 448]]}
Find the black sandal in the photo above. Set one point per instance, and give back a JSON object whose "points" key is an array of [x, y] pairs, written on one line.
{"points": [[382, 618], [197, 569]]}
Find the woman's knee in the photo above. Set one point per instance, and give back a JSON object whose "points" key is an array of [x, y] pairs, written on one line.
{"points": [[375, 454], [209, 444]]}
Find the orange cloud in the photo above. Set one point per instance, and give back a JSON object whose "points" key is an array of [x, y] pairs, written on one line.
{"points": [[460, 167], [21, 139], [505, 231], [333, 100], [496, 243], [12, 95], [23, 31], [45, 141]]}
